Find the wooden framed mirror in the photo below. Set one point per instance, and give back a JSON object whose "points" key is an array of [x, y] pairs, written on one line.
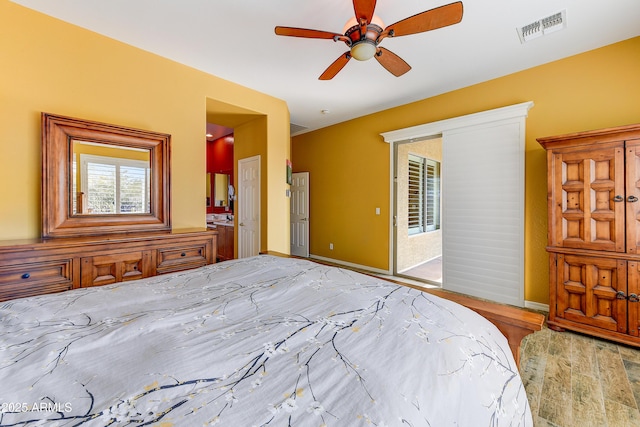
{"points": [[99, 178]]}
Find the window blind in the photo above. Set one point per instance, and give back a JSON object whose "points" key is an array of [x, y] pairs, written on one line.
{"points": [[415, 199], [423, 196], [132, 189], [432, 188], [101, 188]]}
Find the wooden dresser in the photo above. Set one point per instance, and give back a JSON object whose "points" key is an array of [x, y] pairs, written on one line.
{"points": [[594, 232], [40, 266]]}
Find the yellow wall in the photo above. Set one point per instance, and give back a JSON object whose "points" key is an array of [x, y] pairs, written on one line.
{"points": [[349, 162], [55, 67]]}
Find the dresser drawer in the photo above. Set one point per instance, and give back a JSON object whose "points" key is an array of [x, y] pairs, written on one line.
{"points": [[36, 278], [45, 266], [106, 269], [181, 258]]}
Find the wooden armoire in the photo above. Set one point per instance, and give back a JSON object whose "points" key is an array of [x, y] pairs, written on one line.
{"points": [[594, 232]]}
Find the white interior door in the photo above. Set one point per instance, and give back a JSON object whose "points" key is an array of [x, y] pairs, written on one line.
{"points": [[248, 207], [300, 214]]}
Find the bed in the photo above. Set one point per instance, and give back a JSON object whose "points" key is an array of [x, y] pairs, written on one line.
{"points": [[264, 341]]}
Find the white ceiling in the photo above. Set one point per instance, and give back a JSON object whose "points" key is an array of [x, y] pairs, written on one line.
{"points": [[235, 40]]}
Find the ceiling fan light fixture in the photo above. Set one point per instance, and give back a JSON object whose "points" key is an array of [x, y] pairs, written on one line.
{"points": [[363, 33], [363, 50]]}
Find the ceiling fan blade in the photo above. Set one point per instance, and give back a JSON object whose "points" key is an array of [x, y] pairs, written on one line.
{"points": [[429, 20], [304, 32], [364, 9], [392, 62], [335, 67]]}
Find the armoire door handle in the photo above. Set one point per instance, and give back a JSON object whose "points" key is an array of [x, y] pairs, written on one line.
{"points": [[618, 198], [632, 199]]}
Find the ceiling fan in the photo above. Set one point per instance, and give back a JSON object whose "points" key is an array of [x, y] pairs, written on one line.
{"points": [[364, 32]]}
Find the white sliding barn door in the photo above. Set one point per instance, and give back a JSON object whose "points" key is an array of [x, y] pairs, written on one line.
{"points": [[483, 212], [482, 200]]}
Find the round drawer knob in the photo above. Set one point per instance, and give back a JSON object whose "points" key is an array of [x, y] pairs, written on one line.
{"points": [[183, 254], [26, 275]]}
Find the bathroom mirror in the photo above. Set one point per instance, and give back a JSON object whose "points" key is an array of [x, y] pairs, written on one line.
{"points": [[221, 189], [99, 178], [208, 187]]}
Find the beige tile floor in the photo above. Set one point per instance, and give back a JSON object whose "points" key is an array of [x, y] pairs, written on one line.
{"points": [[430, 271], [575, 380]]}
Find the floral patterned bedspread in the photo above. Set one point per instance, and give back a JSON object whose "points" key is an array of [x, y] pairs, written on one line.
{"points": [[263, 341]]}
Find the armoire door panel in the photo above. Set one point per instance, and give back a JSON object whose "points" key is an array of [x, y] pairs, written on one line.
{"points": [[588, 291], [633, 195], [589, 187], [633, 288]]}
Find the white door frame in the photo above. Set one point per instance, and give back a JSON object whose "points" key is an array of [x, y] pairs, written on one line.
{"points": [[396, 204], [244, 251]]}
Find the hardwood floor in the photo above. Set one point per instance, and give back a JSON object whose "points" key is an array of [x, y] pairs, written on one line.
{"points": [[575, 380]]}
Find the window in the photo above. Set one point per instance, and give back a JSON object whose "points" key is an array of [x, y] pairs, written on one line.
{"points": [[115, 185], [424, 194]]}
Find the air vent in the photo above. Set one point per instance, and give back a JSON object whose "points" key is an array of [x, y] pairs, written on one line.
{"points": [[543, 26], [294, 128]]}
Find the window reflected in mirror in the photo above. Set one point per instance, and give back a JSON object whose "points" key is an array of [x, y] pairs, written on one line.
{"points": [[109, 179]]}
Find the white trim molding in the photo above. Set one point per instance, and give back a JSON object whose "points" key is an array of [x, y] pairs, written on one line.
{"points": [[435, 128]]}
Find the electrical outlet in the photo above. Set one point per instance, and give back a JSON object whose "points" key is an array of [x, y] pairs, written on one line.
{"points": [[331, 246]]}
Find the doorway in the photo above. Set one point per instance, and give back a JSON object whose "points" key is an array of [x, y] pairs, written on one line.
{"points": [[418, 231]]}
